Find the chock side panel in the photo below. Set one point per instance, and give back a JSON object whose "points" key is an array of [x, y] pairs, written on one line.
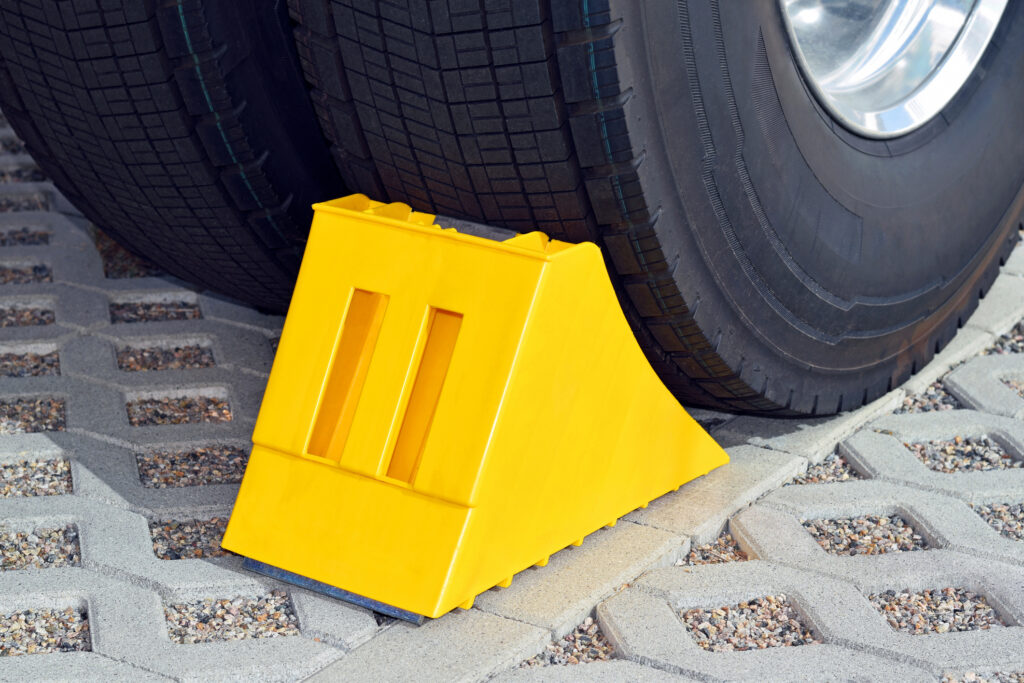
{"points": [[446, 411]]}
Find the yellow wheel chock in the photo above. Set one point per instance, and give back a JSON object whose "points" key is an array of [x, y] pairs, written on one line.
{"points": [[446, 411]]}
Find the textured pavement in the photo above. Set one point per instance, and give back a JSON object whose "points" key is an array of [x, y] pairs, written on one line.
{"points": [[630, 577]]}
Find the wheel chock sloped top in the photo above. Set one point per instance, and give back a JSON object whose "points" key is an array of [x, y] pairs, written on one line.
{"points": [[445, 411]]}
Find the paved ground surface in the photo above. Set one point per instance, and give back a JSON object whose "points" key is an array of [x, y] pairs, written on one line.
{"points": [[879, 544]]}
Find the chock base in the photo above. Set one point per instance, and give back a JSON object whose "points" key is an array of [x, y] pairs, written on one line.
{"points": [[331, 591]]}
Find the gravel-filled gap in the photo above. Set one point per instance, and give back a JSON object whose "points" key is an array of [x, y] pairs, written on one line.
{"points": [[941, 610], [832, 469], [119, 263], [187, 539], [177, 410], [35, 478], [1006, 518], [211, 620], [41, 631], [934, 398], [25, 274], [584, 645], [194, 467], [31, 202], [27, 415], [183, 357], [1016, 385], [24, 237], [865, 535], [724, 549], [964, 455], [23, 316], [770, 621], [12, 146], [153, 311], [1011, 342], [22, 174], [29, 364], [40, 548]]}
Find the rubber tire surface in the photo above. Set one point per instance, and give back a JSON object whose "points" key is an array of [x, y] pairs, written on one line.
{"points": [[768, 260], [181, 128]]}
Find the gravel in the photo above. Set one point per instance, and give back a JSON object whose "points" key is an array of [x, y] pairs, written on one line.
{"points": [[26, 415], [32, 202], [584, 645], [1011, 342], [29, 364], [25, 317], [153, 311], [211, 620], [724, 549], [935, 611], [35, 478], [998, 677], [756, 624], [1016, 385], [964, 455], [134, 359], [119, 263], [935, 397], [12, 145], [40, 548], [24, 237], [38, 631], [178, 540], [196, 467], [24, 275], [834, 468], [1006, 518], [180, 410], [866, 535], [24, 174]]}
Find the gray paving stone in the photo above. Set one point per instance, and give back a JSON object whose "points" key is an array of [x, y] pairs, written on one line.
{"points": [[598, 672], [814, 439], [560, 596], [72, 667], [772, 529], [883, 455], [644, 627], [836, 611], [1002, 306], [979, 384], [467, 645], [700, 509]]}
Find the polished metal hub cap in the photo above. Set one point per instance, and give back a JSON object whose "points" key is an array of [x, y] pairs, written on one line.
{"points": [[884, 68]]}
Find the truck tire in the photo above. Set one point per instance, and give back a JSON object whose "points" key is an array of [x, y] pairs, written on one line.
{"points": [[769, 259], [180, 128]]}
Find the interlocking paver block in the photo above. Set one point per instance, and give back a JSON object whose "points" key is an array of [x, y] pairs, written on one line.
{"points": [[643, 624], [559, 596], [834, 610], [700, 509], [980, 384], [880, 453], [774, 528], [463, 645]]}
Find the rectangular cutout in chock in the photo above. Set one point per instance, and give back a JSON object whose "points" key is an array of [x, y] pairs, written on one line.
{"points": [[349, 364]]}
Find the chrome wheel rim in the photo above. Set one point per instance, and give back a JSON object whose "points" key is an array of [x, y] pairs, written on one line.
{"points": [[884, 68]]}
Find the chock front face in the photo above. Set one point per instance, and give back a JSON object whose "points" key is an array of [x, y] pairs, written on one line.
{"points": [[420, 381]]}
